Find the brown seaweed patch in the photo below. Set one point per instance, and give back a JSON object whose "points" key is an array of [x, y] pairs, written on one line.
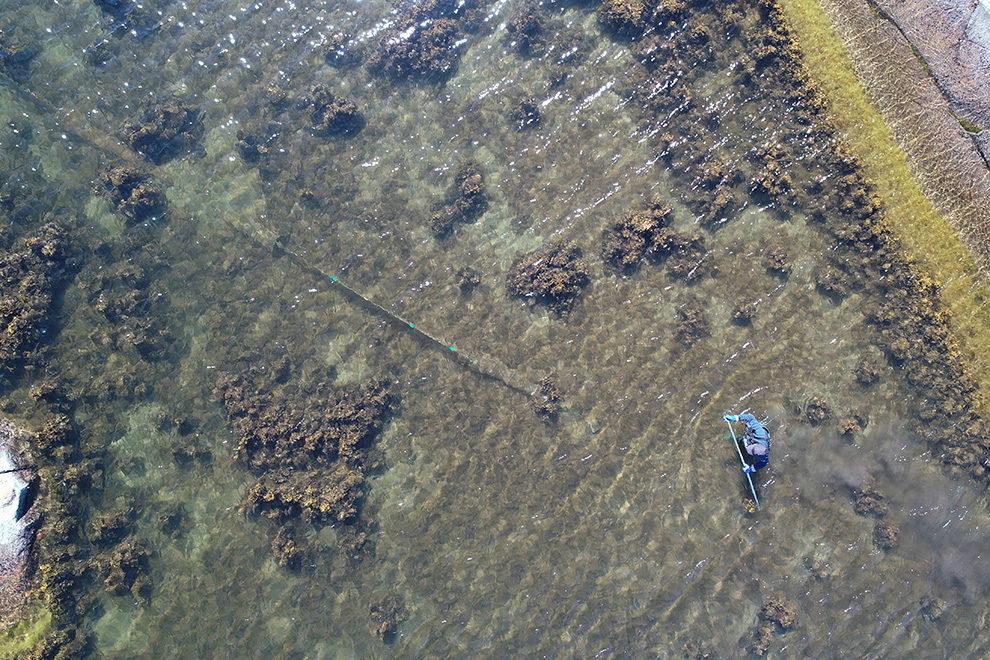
{"points": [[625, 18], [526, 29], [333, 115], [386, 614], [130, 192], [546, 403], [29, 275], [125, 569], [526, 113], [165, 132], [817, 410], [691, 323], [553, 275], [466, 201], [422, 44], [777, 615], [776, 261], [885, 535], [868, 501], [310, 450], [637, 235]]}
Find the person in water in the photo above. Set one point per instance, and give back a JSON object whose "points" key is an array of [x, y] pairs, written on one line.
{"points": [[756, 441]]}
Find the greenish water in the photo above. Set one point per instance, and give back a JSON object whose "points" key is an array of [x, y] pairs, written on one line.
{"points": [[620, 530]]}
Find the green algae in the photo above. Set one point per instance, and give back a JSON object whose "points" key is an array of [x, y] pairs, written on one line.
{"points": [[19, 638], [925, 235]]}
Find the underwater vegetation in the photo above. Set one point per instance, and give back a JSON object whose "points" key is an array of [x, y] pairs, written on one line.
{"points": [[309, 447], [553, 275], [308, 441]]}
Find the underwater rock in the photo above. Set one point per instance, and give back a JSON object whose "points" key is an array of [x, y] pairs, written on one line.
{"points": [[18, 517], [868, 501], [526, 113], [546, 403], [130, 192], [386, 614], [817, 411], [333, 115], [165, 132], [554, 275], [466, 201], [885, 535], [637, 235]]}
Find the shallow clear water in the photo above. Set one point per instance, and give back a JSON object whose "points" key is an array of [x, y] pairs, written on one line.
{"points": [[619, 530]]}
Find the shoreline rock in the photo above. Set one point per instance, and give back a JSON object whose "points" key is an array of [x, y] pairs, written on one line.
{"points": [[18, 519]]}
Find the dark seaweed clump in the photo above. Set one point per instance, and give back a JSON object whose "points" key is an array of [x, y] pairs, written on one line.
{"points": [[30, 275], [553, 275], [310, 448], [526, 113], [130, 192], [546, 403], [421, 43], [637, 235], [16, 62], [466, 201], [626, 18], [526, 29], [776, 616], [333, 115], [385, 617], [165, 132]]}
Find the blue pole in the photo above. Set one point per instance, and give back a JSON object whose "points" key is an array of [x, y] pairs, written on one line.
{"points": [[743, 460]]}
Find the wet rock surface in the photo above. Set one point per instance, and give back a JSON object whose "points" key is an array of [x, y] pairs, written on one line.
{"points": [[18, 517]]}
